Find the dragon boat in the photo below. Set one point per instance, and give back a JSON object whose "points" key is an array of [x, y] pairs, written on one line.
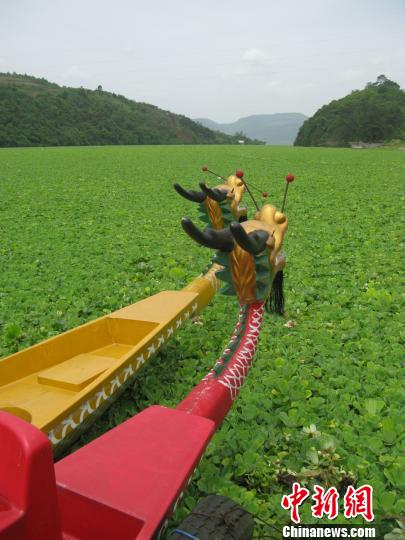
{"points": [[127, 483], [63, 384]]}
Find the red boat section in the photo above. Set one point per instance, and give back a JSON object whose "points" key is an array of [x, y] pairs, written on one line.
{"points": [[126, 483], [28, 503], [214, 395]]}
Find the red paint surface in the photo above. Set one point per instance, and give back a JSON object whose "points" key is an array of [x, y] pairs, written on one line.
{"points": [[28, 508], [125, 483], [213, 396], [128, 479]]}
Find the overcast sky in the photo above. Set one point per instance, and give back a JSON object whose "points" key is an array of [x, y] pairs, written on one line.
{"points": [[218, 59]]}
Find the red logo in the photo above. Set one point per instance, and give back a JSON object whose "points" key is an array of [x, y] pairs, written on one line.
{"points": [[357, 502], [295, 500], [326, 502]]}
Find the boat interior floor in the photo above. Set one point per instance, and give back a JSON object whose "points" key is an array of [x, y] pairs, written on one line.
{"points": [[44, 382]]}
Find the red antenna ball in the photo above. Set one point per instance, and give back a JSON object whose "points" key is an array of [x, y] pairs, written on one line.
{"points": [[239, 174], [290, 177], [205, 168]]}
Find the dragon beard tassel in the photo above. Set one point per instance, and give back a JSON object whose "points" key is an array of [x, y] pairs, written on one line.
{"points": [[275, 302]]}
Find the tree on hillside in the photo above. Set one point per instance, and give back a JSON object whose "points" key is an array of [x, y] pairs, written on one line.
{"points": [[34, 112], [374, 114]]}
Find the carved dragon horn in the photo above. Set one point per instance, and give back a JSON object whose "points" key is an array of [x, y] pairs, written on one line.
{"points": [[194, 196], [216, 194], [254, 242], [215, 239]]}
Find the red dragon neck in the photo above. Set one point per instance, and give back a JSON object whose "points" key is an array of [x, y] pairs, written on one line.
{"points": [[213, 396]]}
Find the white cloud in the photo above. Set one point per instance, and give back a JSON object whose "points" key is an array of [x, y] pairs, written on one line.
{"points": [[255, 56], [253, 62]]}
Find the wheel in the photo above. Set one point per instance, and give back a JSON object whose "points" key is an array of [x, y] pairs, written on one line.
{"points": [[216, 518]]}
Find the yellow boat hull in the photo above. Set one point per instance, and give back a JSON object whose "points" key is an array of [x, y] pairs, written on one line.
{"points": [[63, 383]]}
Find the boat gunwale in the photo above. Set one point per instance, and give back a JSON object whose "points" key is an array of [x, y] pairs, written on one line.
{"points": [[97, 384]]}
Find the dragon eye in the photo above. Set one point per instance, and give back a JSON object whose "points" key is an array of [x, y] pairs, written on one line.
{"points": [[279, 217]]}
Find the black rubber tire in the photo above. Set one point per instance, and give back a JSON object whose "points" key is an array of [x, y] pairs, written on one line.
{"points": [[217, 518]]}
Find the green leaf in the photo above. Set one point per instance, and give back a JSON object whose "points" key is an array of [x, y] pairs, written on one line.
{"points": [[387, 500], [388, 431], [374, 406]]}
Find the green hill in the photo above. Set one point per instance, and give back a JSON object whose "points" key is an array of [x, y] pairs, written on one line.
{"points": [[279, 128], [375, 114], [35, 112]]}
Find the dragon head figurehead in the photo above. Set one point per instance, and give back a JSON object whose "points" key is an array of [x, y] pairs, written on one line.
{"points": [[234, 188], [248, 251]]}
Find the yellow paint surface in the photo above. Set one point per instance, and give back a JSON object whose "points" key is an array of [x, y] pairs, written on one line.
{"points": [[54, 380], [47, 381]]}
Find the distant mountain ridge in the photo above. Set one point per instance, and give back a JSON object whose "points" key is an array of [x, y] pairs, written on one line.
{"points": [[279, 128], [35, 112]]}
